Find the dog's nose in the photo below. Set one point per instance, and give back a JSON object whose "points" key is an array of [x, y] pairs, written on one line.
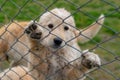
{"points": [[58, 41]]}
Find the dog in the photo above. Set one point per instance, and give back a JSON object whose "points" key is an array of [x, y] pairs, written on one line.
{"points": [[53, 47], [12, 43], [11, 33]]}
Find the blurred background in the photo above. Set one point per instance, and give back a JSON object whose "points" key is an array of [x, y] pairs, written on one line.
{"points": [[107, 41]]}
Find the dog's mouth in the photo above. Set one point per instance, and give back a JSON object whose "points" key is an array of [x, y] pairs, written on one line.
{"points": [[56, 46]]}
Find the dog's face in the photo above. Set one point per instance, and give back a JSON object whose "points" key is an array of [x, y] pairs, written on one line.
{"points": [[58, 28]]}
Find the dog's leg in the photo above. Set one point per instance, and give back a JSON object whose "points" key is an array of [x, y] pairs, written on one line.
{"points": [[90, 60], [34, 33], [86, 63]]}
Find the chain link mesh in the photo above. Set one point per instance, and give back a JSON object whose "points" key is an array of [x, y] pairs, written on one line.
{"points": [[106, 43]]}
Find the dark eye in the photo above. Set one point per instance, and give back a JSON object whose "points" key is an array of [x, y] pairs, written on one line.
{"points": [[66, 28], [50, 26]]}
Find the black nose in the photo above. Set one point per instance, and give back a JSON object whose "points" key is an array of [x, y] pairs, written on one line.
{"points": [[58, 41]]}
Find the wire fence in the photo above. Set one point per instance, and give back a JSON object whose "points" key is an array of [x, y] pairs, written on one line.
{"points": [[105, 44]]}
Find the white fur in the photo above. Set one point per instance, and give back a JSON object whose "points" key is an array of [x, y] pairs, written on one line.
{"points": [[69, 54]]}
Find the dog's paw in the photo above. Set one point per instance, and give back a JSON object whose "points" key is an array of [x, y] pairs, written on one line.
{"points": [[90, 60], [33, 31]]}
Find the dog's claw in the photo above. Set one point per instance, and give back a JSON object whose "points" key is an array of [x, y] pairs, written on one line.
{"points": [[27, 31], [36, 35], [33, 26]]}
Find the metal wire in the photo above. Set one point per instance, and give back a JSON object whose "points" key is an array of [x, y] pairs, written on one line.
{"points": [[78, 9]]}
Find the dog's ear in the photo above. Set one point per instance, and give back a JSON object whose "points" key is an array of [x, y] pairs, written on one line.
{"points": [[87, 34]]}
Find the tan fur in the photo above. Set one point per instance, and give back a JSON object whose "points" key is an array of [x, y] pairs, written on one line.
{"points": [[14, 30], [9, 40], [45, 59], [17, 73]]}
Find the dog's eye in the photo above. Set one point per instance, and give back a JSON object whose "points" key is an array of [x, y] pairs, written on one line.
{"points": [[66, 28], [50, 26]]}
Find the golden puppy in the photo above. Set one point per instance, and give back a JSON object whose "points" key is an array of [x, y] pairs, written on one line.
{"points": [[54, 52], [13, 41]]}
